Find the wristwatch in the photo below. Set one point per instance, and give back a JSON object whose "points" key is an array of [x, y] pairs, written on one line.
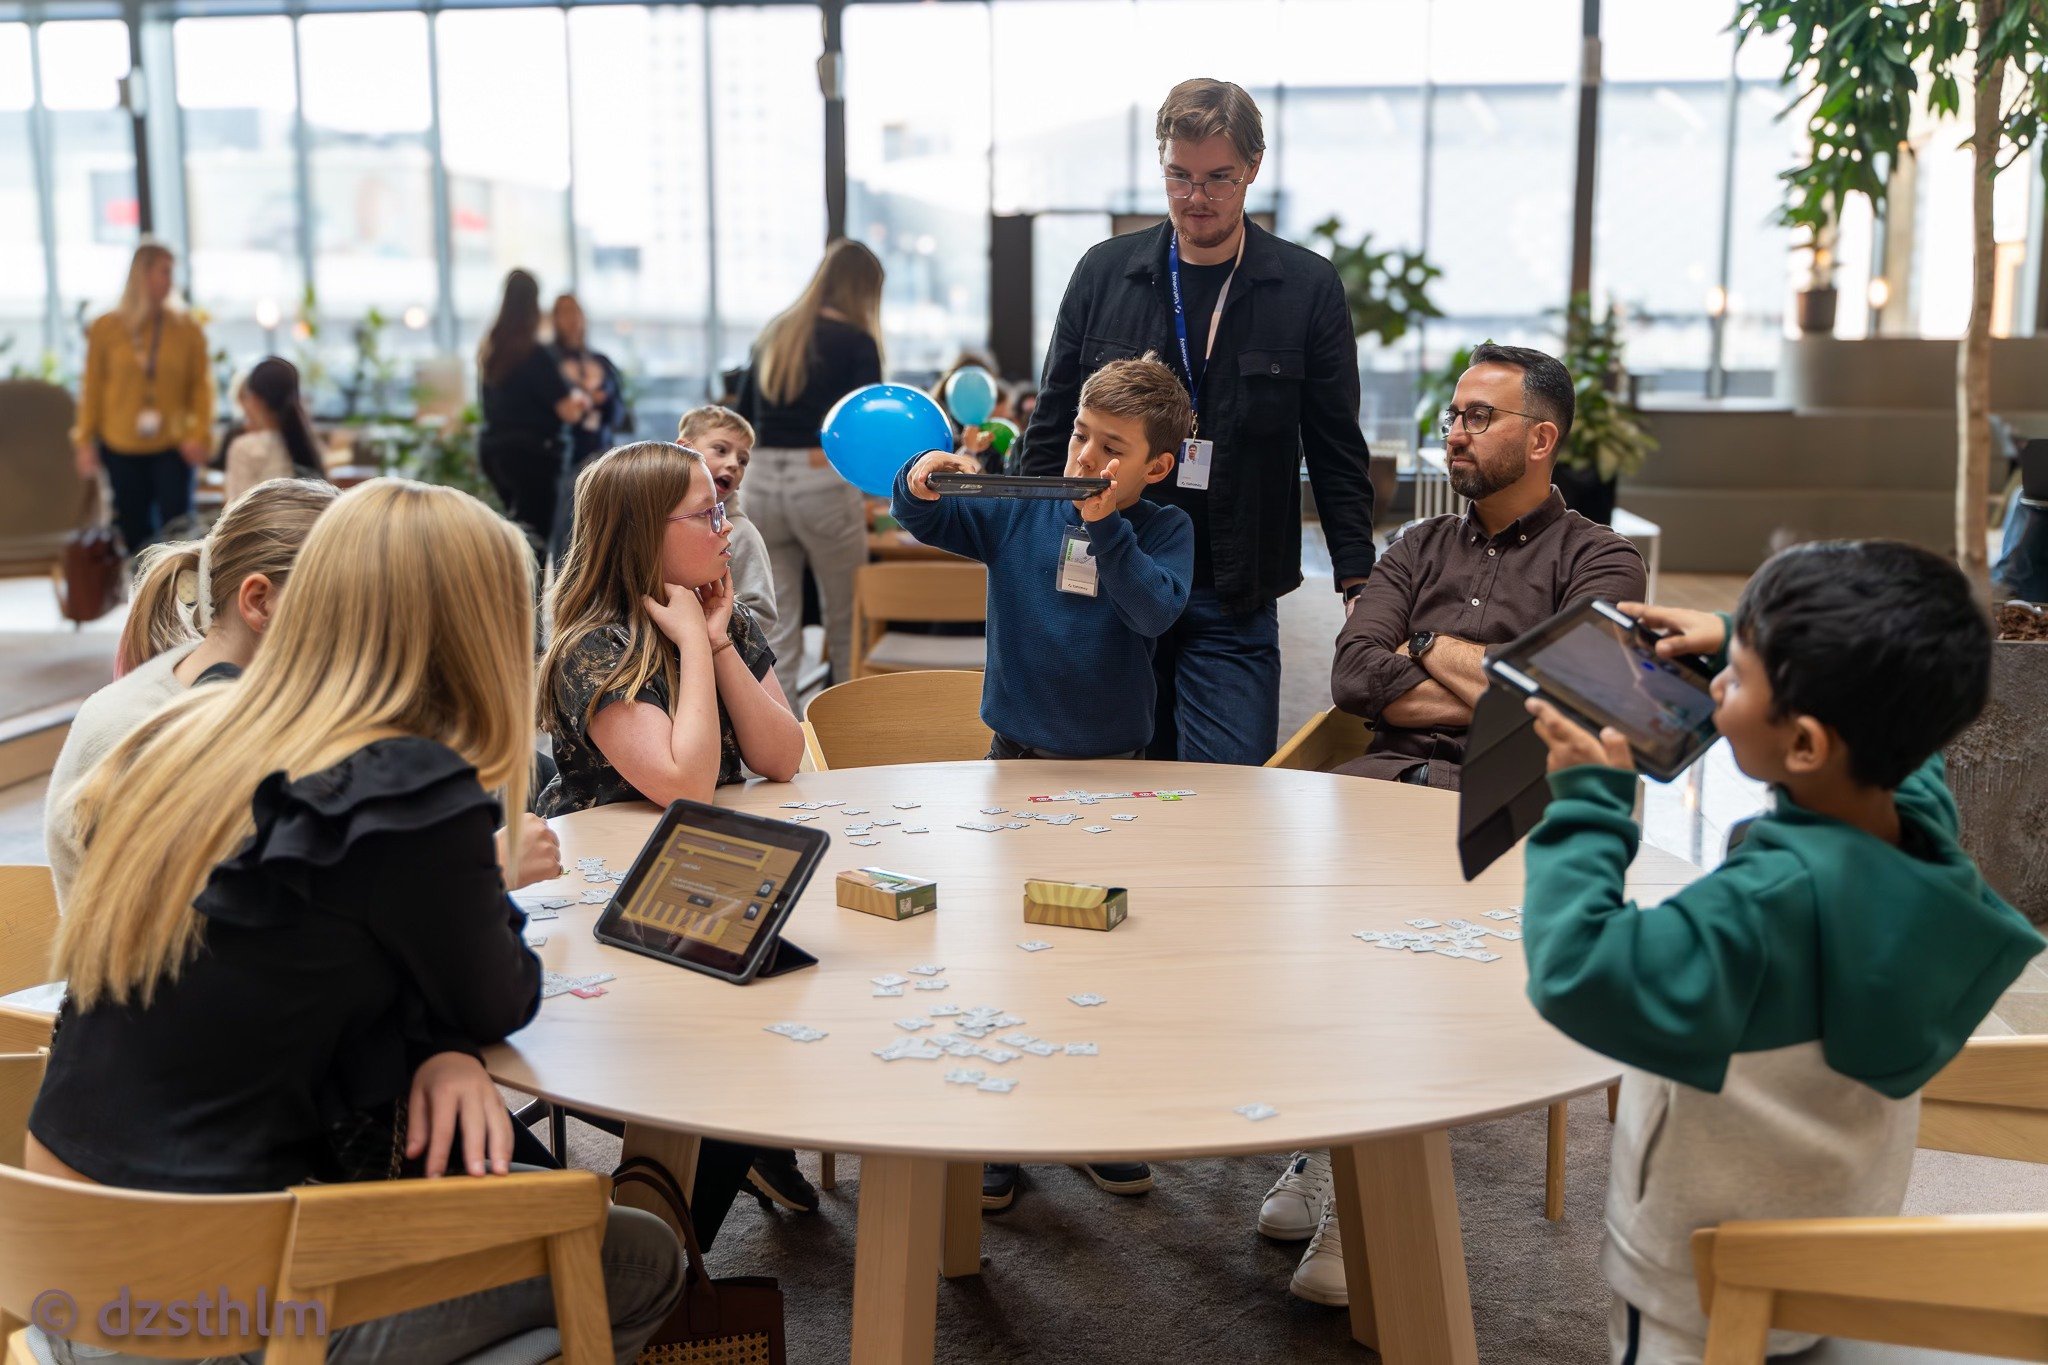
{"points": [[1351, 593], [1419, 643]]}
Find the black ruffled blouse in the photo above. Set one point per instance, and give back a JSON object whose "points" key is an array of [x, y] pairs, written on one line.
{"points": [[362, 928]]}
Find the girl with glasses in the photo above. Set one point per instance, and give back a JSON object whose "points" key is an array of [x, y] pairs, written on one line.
{"points": [[657, 683]]}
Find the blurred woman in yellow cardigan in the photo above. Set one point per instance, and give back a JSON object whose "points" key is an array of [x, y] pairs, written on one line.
{"points": [[145, 410]]}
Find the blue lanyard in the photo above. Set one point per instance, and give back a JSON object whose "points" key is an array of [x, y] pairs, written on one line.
{"points": [[1180, 319]]}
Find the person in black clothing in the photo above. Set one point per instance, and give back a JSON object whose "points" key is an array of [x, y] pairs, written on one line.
{"points": [[1262, 338], [825, 345], [525, 403], [292, 940], [591, 435]]}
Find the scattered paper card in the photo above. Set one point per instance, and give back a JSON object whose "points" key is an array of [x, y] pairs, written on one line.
{"points": [[1255, 1112], [1088, 999]]}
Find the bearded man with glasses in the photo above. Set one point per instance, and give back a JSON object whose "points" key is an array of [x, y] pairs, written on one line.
{"points": [[1408, 658], [1257, 330]]}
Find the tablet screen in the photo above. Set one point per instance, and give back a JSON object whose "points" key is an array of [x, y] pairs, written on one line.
{"points": [[1602, 670], [710, 887]]}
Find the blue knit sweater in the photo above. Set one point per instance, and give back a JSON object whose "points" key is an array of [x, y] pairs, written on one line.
{"points": [[1067, 673]]}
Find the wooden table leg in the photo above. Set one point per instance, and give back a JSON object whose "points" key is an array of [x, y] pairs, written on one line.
{"points": [[677, 1151], [961, 1254], [1397, 1205], [1553, 1162], [896, 1259]]}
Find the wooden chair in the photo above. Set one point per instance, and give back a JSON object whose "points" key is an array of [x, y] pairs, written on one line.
{"points": [[325, 1256], [937, 592], [21, 1076], [28, 934], [1952, 1283], [924, 717], [1327, 739]]}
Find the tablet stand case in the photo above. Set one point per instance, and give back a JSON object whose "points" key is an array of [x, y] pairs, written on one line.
{"points": [[786, 957], [1503, 787]]}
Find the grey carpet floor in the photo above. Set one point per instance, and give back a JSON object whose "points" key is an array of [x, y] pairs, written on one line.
{"points": [[1076, 1276]]}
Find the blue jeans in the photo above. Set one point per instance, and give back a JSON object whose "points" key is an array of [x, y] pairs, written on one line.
{"points": [[149, 491], [2022, 567], [510, 1325], [1219, 685]]}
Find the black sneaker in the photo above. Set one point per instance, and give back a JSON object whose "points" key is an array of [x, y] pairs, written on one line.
{"points": [[776, 1179], [1120, 1177], [998, 1186]]}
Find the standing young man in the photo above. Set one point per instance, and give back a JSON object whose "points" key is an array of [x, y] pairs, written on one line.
{"points": [[1258, 331]]}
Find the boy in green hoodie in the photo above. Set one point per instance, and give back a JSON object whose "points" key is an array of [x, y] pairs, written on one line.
{"points": [[1778, 1017]]}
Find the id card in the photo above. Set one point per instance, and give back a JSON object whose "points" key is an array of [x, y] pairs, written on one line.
{"points": [[1077, 563], [148, 423], [1196, 458]]}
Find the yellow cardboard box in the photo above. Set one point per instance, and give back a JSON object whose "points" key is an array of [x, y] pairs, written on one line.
{"points": [[892, 895], [1075, 905]]}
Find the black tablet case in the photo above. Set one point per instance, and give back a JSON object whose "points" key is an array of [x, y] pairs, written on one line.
{"points": [[1502, 788]]}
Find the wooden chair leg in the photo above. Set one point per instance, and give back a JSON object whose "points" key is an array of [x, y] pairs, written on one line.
{"points": [[581, 1312], [558, 1133], [1739, 1328], [1553, 1165], [828, 1171], [1613, 1100]]}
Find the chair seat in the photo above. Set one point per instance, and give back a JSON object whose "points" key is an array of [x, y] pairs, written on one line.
{"points": [[901, 651]]}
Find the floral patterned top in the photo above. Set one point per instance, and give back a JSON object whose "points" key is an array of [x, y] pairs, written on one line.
{"points": [[583, 776]]}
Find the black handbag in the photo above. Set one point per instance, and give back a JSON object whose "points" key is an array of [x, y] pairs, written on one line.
{"points": [[733, 1321]]}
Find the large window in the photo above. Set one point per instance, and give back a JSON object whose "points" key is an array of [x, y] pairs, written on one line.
{"points": [[643, 252], [92, 166], [238, 110], [505, 149], [768, 134], [23, 284], [367, 89], [917, 174]]}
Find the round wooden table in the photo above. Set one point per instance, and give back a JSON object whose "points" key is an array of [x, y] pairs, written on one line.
{"points": [[1236, 980]]}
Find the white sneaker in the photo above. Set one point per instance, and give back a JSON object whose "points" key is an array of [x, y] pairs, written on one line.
{"points": [[1320, 1276], [1295, 1202]]}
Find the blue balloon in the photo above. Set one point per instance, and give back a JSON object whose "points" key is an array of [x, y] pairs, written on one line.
{"points": [[873, 431], [971, 396]]}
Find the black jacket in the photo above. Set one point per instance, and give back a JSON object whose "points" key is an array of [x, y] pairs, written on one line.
{"points": [[1282, 384]]}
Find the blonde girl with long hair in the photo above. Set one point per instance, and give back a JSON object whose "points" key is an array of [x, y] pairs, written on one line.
{"points": [[145, 404], [199, 610], [822, 347], [290, 913], [656, 684]]}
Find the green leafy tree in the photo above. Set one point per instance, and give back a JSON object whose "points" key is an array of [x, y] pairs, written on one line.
{"points": [[1386, 291], [1607, 435], [1863, 70]]}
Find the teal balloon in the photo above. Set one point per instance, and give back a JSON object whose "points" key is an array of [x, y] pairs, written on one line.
{"points": [[873, 431], [971, 396]]}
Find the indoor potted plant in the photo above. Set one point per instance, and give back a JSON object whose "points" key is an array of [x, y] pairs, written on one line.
{"points": [[1995, 769], [1607, 440]]}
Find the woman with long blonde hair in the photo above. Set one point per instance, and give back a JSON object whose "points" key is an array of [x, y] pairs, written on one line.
{"points": [[145, 403], [290, 914], [821, 348], [198, 612]]}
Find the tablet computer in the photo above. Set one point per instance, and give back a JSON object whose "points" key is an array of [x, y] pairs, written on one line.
{"points": [[1601, 668], [957, 484], [711, 890]]}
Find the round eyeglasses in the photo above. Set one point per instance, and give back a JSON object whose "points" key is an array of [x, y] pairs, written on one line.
{"points": [[715, 512], [1216, 190]]}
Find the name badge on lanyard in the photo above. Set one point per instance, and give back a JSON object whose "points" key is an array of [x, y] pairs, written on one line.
{"points": [[1077, 563], [1197, 457]]}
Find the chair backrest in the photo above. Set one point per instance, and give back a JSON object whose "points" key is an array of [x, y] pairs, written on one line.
{"points": [[302, 1262], [21, 1076], [914, 591], [923, 717], [1329, 738], [28, 926], [1992, 1100], [39, 491]]}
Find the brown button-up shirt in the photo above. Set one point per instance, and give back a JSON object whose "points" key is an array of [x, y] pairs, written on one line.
{"points": [[1448, 575]]}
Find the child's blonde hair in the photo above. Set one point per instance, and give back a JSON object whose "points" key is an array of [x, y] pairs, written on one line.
{"points": [[1147, 390], [261, 533], [623, 499], [711, 417], [411, 614]]}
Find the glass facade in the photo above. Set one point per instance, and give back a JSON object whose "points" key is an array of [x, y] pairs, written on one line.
{"points": [[667, 162]]}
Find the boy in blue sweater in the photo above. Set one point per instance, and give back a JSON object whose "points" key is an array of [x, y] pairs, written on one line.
{"points": [[1777, 1018], [1074, 589]]}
